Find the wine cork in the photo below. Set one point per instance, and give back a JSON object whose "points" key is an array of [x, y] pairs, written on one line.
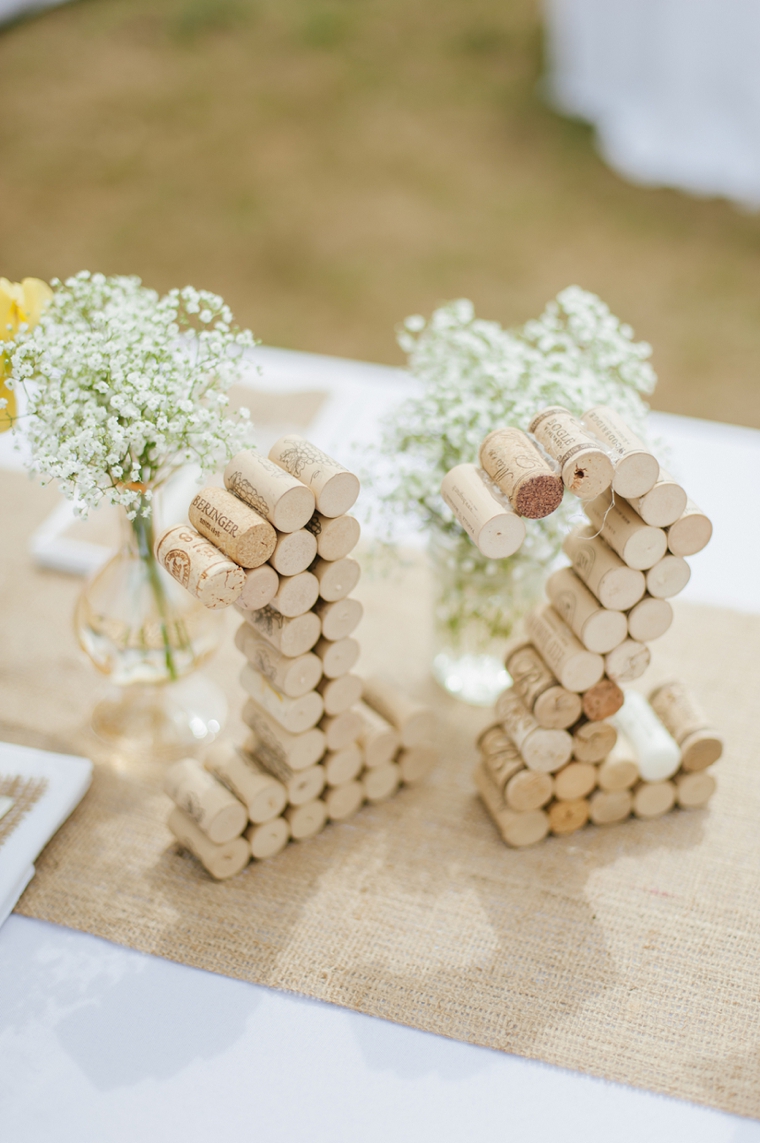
{"points": [[691, 532], [260, 588], [628, 661], [694, 790], [381, 782], [602, 700], [336, 537], [516, 829], [586, 468], [337, 657], [663, 504], [337, 578], [378, 739], [685, 720], [494, 739], [305, 785], [339, 619], [653, 799], [414, 722], [639, 545], [619, 770], [517, 467], [221, 861], [528, 790], [576, 668], [294, 751], [234, 527], [342, 766], [635, 468], [551, 705], [541, 749], [649, 619], [343, 801], [269, 838], [613, 583], [598, 628], [295, 595], [293, 677], [657, 752], [293, 552], [211, 805], [341, 693], [567, 817], [576, 780], [609, 806], [306, 820], [340, 730], [200, 567], [503, 765], [495, 529], [291, 637], [335, 488], [269, 490], [293, 714], [592, 741], [263, 796], [416, 762], [668, 577]]}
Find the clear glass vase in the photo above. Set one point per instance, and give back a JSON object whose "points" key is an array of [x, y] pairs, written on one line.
{"points": [[479, 604], [143, 630]]}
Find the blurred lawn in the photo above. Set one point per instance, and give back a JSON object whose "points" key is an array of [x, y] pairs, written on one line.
{"points": [[333, 166]]}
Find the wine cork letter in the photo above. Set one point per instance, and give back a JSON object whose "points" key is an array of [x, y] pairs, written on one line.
{"points": [[200, 567], [613, 583], [269, 490], [238, 531], [519, 469], [496, 531], [636, 470], [586, 468], [598, 628], [638, 544], [335, 488]]}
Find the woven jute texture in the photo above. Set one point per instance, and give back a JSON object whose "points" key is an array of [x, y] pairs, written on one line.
{"points": [[629, 952]]}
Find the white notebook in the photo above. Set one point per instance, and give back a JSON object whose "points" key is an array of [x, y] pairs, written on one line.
{"points": [[38, 791]]}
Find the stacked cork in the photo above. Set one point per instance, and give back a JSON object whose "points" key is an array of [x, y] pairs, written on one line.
{"points": [[275, 543], [570, 746]]}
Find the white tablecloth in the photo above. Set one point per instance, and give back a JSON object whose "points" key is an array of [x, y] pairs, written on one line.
{"points": [[100, 1044]]}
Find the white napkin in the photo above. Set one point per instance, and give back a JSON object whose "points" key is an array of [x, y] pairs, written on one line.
{"points": [[67, 779]]}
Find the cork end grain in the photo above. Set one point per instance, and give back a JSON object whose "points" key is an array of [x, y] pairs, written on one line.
{"points": [[539, 496]]}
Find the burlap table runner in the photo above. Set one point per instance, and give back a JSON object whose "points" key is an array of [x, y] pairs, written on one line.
{"points": [[630, 953]]}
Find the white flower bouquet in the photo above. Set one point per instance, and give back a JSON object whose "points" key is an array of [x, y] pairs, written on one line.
{"points": [[476, 376]]}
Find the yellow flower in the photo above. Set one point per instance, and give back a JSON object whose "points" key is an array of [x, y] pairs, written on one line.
{"points": [[21, 303]]}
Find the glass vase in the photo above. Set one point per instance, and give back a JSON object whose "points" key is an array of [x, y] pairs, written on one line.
{"points": [[142, 629], [479, 604]]}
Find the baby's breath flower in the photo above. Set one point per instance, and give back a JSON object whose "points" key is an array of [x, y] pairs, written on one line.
{"points": [[125, 386]]}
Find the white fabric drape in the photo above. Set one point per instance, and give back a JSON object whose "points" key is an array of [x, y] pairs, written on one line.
{"points": [[672, 86]]}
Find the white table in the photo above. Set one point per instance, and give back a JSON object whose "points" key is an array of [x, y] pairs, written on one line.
{"points": [[100, 1044]]}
